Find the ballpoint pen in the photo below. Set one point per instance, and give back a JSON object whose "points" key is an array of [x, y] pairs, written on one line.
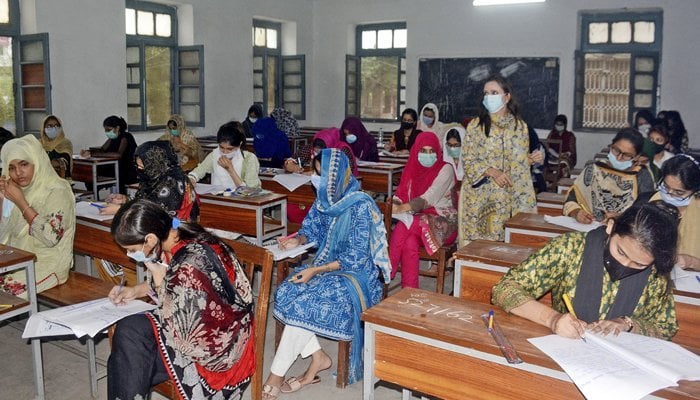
{"points": [[570, 308]]}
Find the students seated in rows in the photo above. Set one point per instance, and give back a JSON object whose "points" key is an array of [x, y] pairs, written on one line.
{"points": [[607, 188], [285, 121], [426, 194], [254, 114], [363, 145], [680, 187], [229, 164], [643, 121], [161, 180], [452, 151], [57, 146], [561, 145], [343, 279], [38, 214], [324, 139], [185, 144], [201, 334], [617, 276], [120, 143], [429, 121], [270, 143], [403, 138], [676, 131]]}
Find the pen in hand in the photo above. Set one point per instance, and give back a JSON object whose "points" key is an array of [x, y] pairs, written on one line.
{"points": [[570, 308]]}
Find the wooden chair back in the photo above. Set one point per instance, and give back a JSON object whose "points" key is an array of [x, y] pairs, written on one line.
{"points": [[688, 316]]}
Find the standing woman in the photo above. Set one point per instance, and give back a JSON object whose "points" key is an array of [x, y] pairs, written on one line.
{"points": [[402, 139], [452, 151], [254, 114], [57, 146], [285, 121], [120, 143], [497, 183], [363, 145], [426, 192], [38, 214], [185, 144], [200, 336]]}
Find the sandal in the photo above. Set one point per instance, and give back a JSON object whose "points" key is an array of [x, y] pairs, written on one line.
{"points": [[295, 385], [270, 392]]}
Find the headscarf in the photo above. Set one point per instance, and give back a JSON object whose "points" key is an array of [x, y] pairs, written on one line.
{"points": [[458, 167], [285, 121], [269, 141], [438, 127], [60, 143], [247, 123], [162, 180], [331, 137], [186, 135], [365, 147], [417, 179]]}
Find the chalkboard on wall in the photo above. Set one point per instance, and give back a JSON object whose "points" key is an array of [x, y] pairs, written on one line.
{"points": [[455, 86]]}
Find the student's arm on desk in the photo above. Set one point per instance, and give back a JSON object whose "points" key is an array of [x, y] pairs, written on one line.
{"points": [[203, 168], [574, 206], [250, 170]]}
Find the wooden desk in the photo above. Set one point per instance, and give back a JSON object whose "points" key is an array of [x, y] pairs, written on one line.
{"points": [[304, 196], [12, 259], [379, 177], [549, 203], [245, 215], [531, 230], [564, 184], [438, 345], [85, 170], [393, 159]]}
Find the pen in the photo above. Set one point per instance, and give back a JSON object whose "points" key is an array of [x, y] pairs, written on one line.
{"points": [[490, 320], [153, 297], [100, 206], [121, 283], [697, 277], [570, 308], [6, 305], [293, 235]]}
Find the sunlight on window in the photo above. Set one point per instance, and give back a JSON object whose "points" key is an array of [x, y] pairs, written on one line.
{"points": [[260, 37], [130, 21], [621, 32], [4, 11], [598, 32], [144, 20], [400, 38], [369, 39], [163, 25], [644, 32], [384, 39], [272, 38]]}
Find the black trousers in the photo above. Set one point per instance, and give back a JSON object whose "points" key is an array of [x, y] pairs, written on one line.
{"points": [[134, 365]]}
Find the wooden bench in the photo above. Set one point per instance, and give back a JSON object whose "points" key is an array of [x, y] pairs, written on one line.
{"points": [[549, 203], [532, 230]]}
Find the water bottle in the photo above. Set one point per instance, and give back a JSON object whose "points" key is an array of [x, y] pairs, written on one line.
{"points": [[381, 136]]}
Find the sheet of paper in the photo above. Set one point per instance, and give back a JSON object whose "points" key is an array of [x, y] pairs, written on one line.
{"points": [[406, 218], [280, 254], [38, 326], [687, 281], [568, 222], [224, 234], [203, 188], [292, 181], [85, 209]]}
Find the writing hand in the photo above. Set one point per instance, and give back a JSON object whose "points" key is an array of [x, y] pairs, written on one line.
{"points": [[606, 327], [583, 217], [290, 243], [122, 294], [566, 325]]}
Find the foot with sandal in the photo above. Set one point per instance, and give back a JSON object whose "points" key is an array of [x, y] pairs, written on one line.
{"points": [[275, 385]]}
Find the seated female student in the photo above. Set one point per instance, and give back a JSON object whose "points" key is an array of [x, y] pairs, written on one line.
{"points": [[655, 149], [605, 189], [201, 333], [426, 193], [343, 279], [562, 147], [57, 146], [363, 145], [676, 131], [38, 214], [184, 142], [680, 187], [162, 181], [452, 151], [617, 276], [120, 143], [229, 164], [403, 138], [271, 144], [254, 114], [429, 121], [323, 139]]}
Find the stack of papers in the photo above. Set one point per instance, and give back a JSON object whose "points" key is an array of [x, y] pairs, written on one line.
{"points": [[687, 281], [280, 254], [203, 188], [91, 210], [571, 223], [292, 182]]}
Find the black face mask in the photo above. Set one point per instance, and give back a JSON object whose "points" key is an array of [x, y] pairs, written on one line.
{"points": [[616, 271], [406, 125], [658, 148]]}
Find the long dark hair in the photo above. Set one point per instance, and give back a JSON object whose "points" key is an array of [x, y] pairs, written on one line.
{"points": [[231, 132], [114, 120], [512, 106], [655, 226], [686, 168], [631, 135]]}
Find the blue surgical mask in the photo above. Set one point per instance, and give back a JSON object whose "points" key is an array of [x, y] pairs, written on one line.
{"points": [[111, 134], [454, 152], [427, 120], [175, 132], [619, 165], [252, 120], [351, 138], [316, 181], [667, 198], [493, 103], [139, 256], [427, 159], [51, 132]]}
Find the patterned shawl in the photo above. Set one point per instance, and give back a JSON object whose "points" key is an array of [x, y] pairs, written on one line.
{"points": [[605, 189], [187, 137], [365, 147], [285, 121]]}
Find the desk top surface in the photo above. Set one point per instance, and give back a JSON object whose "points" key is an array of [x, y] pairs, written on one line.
{"points": [[380, 167], [549, 197], [94, 159], [11, 256], [251, 200], [499, 253], [534, 222]]}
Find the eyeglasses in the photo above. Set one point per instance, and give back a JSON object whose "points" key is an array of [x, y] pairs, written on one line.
{"points": [[675, 193], [618, 153]]}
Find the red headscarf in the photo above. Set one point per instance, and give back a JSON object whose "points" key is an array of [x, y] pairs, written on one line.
{"points": [[416, 179], [331, 137]]}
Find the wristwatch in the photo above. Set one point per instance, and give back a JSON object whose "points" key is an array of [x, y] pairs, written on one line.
{"points": [[629, 323]]}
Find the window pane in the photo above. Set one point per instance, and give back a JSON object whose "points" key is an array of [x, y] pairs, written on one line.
{"points": [[643, 82], [189, 59], [144, 21], [644, 64], [163, 25], [294, 108], [189, 95], [621, 32], [4, 11], [32, 52], [133, 75], [260, 37], [369, 39], [190, 112], [132, 55], [400, 38], [292, 80], [257, 79], [257, 63], [257, 95], [606, 90], [189, 76], [644, 32], [378, 80], [7, 97], [158, 99], [33, 120], [271, 88], [642, 100], [384, 39], [271, 38], [133, 96], [130, 21], [598, 32], [292, 65], [133, 115], [293, 95]]}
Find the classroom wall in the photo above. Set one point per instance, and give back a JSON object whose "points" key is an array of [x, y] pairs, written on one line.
{"points": [[454, 28]]}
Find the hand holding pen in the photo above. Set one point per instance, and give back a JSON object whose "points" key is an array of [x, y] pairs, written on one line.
{"points": [[571, 327], [289, 241]]}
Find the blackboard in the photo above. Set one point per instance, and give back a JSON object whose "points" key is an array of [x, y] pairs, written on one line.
{"points": [[455, 85]]}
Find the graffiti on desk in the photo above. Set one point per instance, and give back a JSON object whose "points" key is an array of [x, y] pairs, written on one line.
{"points": [[423, 301]]}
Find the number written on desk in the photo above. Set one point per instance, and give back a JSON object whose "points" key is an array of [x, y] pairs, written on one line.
{"points": [[422, 301]]}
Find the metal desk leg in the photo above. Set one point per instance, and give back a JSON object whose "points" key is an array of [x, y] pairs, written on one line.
{"points": [[36, 343], [369, 354], [92, 371]]}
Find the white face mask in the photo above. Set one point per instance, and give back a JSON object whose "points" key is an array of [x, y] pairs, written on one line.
{"points": [[139, 256], [252, 120], [559, 127], [52, 132], [644, 129]]}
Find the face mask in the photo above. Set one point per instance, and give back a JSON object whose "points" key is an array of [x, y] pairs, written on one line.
{"points": [[111, 134], [315, 181], [559, 128], [454, 152], [252, 120], [139, 256], [493, 103], [427, 160], [674, 201], [618, 165], [644, 129], [141, 175], [427, 120], [617, 271], [406, 125], [52, 132], [658, 148], [351, 138], [174, 132], [231, 155]]}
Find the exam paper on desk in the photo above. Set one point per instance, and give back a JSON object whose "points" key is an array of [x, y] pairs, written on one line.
{"points": [[687, 281], [292, 182], [84, 209], [571, 223], [280, 254]]}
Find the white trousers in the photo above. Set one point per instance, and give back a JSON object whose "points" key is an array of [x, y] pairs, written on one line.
{"points": [[295, 341]]}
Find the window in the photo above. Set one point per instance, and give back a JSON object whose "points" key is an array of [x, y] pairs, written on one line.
{"points": [[278, 81], [617, 68], [375, 87]]}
